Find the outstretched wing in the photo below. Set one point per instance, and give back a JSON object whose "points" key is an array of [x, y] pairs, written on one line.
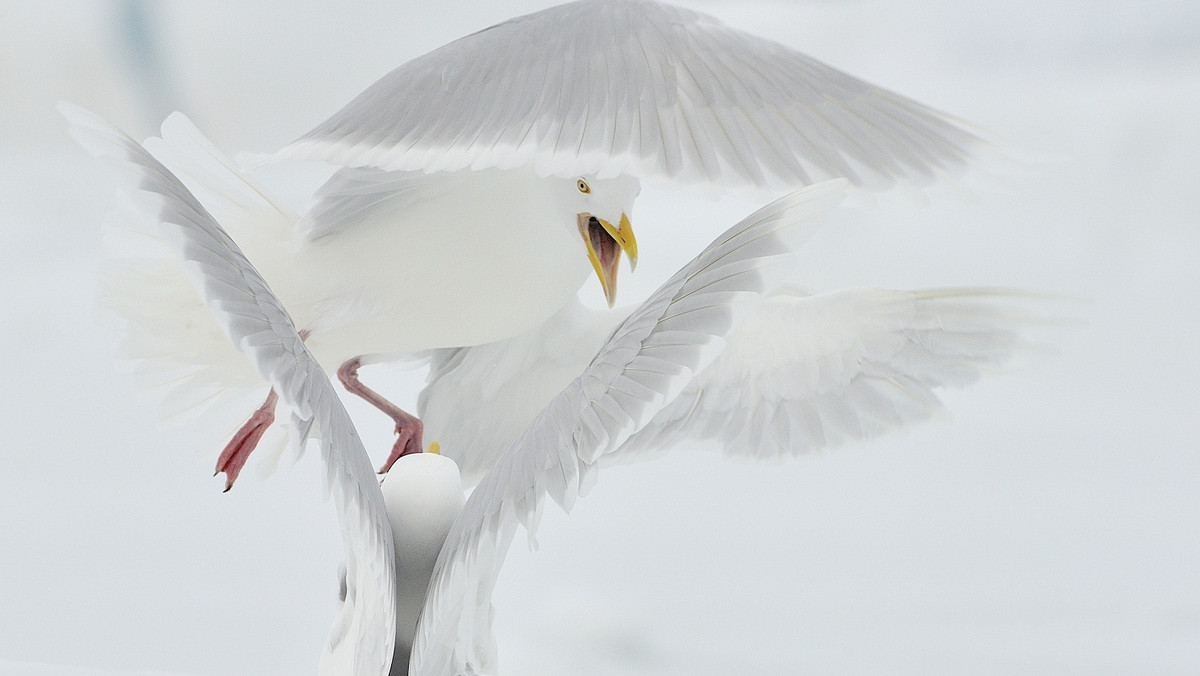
{"points": [[807, 372], [258, 324], [801, 373], [644, 365], [639, 88]]}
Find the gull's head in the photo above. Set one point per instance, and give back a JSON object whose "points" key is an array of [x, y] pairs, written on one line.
{"points": [[423, 494], [602, 208]]}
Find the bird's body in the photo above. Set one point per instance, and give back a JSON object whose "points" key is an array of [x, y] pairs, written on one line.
{"points": [[480, 256], [478, 400], [384, 264], [480, 181], [478, 185], [718, 345], [391, 263], [645, 363]]}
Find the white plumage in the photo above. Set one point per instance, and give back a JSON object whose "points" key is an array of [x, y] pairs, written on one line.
{"points": [[638, 88], [804, 372], [648, 360], [717, 345], [460, 213], [456, 221], [385, 265], [412, 262], [254, 320]]}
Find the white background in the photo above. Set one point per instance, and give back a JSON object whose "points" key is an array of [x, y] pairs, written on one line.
{"points": [[1051, 526]]}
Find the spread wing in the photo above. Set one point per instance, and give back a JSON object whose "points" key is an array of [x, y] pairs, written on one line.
{"points": [[800, 373], [640, 88], [260, 327], [644, 365], [807, 372]]}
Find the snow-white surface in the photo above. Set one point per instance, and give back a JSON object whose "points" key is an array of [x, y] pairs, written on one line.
{"points": [[1049, 527]]}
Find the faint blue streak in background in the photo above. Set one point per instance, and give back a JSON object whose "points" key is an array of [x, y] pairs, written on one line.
{"points": [[136, 25]]}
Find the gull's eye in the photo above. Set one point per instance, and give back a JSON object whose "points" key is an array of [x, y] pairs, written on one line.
{"points": [[583, 186]]}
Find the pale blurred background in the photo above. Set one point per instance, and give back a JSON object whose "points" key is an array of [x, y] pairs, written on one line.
{"points": [[1051, 526]]}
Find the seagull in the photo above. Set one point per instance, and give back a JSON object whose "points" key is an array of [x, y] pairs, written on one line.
{"points": [[457, 258], [478, 186], [725, 352], [420, 561]]}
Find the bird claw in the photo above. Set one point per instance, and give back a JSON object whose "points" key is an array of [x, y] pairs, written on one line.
{"points": [[408, 441], [235, 454]]}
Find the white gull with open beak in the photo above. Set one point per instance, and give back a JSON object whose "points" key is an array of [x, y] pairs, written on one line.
{"points": [[482, 183]]}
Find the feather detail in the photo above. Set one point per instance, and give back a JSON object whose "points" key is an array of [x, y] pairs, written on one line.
{"points": [[643, 89], [644, 365], [256, 322]]}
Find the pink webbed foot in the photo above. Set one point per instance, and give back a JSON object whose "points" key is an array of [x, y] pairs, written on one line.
{"points": [[233, 458], [408, 427]]}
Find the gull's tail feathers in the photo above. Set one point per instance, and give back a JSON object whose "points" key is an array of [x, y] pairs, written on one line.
{"points": [[176, 351]]}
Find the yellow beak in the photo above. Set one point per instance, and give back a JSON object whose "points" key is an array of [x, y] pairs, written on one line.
{"points": [[604, 246]]}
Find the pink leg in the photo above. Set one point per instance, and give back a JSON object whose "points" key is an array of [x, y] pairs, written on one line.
{"points": [[237, 451], [408, 427]]}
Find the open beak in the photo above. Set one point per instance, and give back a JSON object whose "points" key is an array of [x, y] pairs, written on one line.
{"points": [[604, 246]]}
